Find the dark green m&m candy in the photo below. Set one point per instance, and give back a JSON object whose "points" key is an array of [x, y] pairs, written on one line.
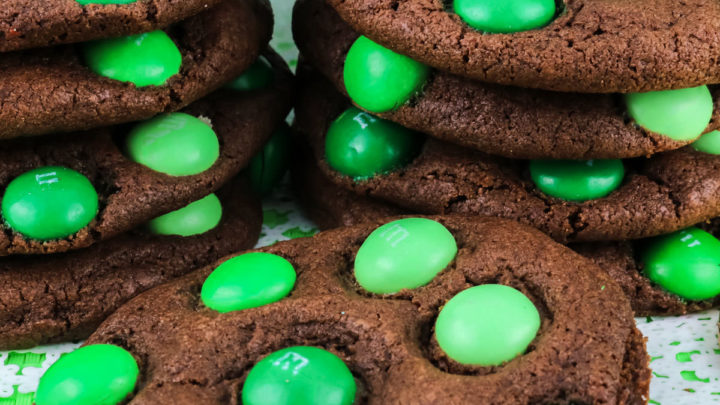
{"points": [[258, 76], [577, 180], [194, 219], [378, 79], [99, 374], [505, 16], [148, 59], [299, 375], [176, 144], [686, 263], [86, 2], [487, 325], [403, 254], [248, 281], [361, 145], [708, 143], [49, 203], [268, 167], [681, 114]]}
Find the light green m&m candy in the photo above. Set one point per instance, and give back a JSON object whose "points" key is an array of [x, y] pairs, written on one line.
{"points": [[248, 281], [361, 145], [577, 180], [49, 203], [194, 219], [708, 143], [403, 254], [505, 16], [148, 59], [86, 2], [686, 263], [487, 325], [258, 76], [681, 114], [380, 80], [99, 374], [176, 144], [299, 375]]}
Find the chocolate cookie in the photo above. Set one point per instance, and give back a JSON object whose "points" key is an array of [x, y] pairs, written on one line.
{"points": [[643, 197], [594, 46], [29, 24], [501, 120], [331, 206], [583, 347], [128, 193], [65, 296], [55, 89]]}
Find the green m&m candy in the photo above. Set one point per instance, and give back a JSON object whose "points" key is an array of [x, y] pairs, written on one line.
{"points": [[378, 79], [403, 254], [268, 167], [505, 16], [248, 281], [86, 2], [49, 203], [299, 375], [360, 145], [258, 76], [148, 59], [681, 114], [194, 219], [708, 143], [176, 144], [487, 325], [99, 374], [686, 263], [577, 180]]}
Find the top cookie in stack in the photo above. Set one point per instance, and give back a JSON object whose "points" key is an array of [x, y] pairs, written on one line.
{"points": [[103, 79], [454, 72]]}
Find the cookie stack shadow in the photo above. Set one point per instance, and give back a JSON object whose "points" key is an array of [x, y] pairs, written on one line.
{"points": [[134, 146]]}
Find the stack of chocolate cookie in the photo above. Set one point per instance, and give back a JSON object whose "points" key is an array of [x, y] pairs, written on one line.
{"points": [[125, 127], [594, 123]]}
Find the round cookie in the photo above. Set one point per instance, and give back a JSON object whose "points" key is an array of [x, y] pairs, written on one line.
{"points": [[52, 89], [624, 262], [131, 193], [593, 46], [387, 342], [331, 206], [659, 195], [63, 297], [28, 24], [501, 120]]}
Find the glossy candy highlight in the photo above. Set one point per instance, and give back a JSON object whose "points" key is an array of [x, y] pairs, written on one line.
{"points": [[685, 263], [248, 281], [681, 114], [361, 145], [487, 325], [100, 374], [195, 218], [378, 79], [505, 16], [403, 254], [148, 59], [299, 375], [176, 144], [577, 180], [50, 202]]}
